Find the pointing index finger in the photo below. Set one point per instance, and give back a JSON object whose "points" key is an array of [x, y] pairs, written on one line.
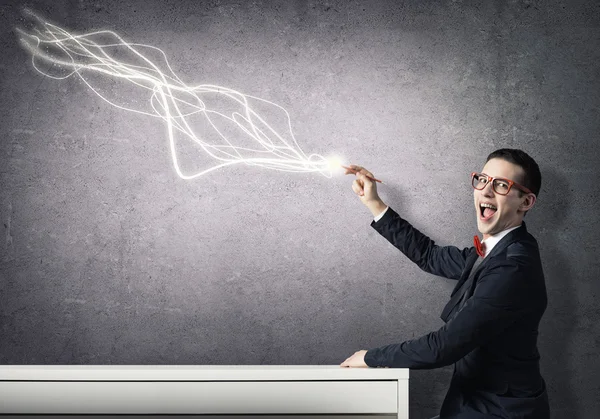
{"points": [[351, 169], [365, 172]]}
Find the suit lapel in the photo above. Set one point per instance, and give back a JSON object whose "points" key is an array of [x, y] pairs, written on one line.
{"points": [[467, 278], [465, 283], [465, 274], [515, 235]]}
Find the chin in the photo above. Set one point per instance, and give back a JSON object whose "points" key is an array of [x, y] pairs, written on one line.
{"points": [[485, 228]]}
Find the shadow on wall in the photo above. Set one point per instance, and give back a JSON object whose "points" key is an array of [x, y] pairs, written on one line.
{"points": [[557, 328], [427, 388]]}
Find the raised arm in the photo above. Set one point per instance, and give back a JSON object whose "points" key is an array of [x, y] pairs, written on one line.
{"points": [[447, 261]]}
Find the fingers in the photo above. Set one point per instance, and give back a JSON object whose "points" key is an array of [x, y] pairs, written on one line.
{"points": [[364, 185], [366, 179], [350, 170], [346, 362], [367, 185], [355, 169], [361, 170], [355, 360], [358, 188], [365, 172]]}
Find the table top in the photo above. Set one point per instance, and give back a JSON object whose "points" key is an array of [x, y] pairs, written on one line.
{"points": [[196, 373]]}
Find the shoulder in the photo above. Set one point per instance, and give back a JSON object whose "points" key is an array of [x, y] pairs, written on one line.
{"points": [[523, 248], [514, 271], [520, 258], [518, 245]]}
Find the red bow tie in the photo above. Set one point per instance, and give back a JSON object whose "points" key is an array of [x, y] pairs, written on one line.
{"points": [[479, 247]]}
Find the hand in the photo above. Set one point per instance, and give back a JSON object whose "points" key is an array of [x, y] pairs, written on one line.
{"points": [[356, 361], [366, 189], [362, 186]]}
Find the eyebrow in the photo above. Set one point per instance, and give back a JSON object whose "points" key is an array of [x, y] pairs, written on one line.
{"points": [[495, 177]]}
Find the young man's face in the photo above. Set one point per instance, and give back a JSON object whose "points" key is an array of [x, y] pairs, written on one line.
{"points": [[510, 208]]}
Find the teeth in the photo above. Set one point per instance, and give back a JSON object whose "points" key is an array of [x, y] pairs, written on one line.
{"points": [[488, 206]]}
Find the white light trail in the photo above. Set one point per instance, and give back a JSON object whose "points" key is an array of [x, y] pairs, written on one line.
{"points": [[174, 101]]}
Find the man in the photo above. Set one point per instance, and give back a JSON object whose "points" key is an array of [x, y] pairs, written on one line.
{"points": [[491, 321]]}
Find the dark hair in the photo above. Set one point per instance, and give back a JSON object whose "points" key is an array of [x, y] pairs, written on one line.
{"points": [[532, 179]]}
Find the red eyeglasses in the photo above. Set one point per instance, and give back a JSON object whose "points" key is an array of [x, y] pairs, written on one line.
{"points": [[501, 186]]}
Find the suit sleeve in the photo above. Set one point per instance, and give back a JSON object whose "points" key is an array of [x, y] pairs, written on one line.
{"points": [[448, 261], [499, 300]]}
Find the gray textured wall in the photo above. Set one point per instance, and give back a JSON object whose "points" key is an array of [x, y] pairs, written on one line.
{"points": [[107, 257]]}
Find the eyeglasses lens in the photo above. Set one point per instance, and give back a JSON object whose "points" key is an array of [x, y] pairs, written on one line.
{"points": [[479, 181], [500, 186]]}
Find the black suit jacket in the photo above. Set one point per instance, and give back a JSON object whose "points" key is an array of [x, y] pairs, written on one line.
{"points": [[491, 324]]}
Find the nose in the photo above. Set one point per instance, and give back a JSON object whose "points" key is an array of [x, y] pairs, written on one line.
{"points": [[488, 190]]}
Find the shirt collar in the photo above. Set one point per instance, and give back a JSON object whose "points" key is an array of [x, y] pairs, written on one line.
{"points": [[492, 241]]}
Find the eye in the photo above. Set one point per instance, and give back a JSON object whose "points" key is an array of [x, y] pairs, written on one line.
{"points": [[502, 184]]}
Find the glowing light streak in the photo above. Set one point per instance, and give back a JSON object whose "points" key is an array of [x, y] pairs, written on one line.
{"points": [[174, 101]]}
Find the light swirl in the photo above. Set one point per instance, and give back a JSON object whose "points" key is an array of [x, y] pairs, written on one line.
{"points": [[176, 102]]}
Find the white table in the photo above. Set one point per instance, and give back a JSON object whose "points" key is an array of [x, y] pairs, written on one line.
{"points": [[204, 390]]}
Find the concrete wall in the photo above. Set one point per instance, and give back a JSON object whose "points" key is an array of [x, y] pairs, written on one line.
{"points": [[108, 257]]}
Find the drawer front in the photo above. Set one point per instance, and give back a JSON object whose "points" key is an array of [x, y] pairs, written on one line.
{"points": [[217, 397]]}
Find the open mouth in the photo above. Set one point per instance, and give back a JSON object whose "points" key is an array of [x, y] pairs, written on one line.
{"points": [[486, 211]]}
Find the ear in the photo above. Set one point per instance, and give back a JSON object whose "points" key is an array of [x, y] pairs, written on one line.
{"points": [[528, 202]]}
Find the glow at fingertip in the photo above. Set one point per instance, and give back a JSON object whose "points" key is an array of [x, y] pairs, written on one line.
{"points": [[255, 143], [335, 163]]}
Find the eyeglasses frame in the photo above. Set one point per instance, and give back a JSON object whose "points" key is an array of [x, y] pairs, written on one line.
{"points": [[511, 183]]}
